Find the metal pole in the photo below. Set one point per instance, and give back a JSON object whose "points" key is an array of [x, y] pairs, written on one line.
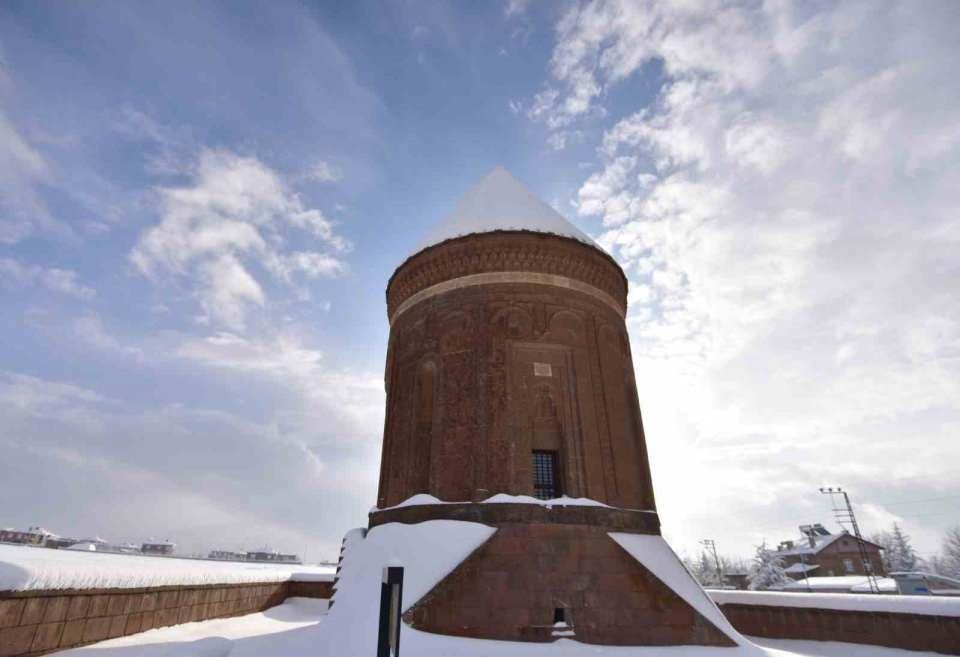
{"points": [[846, 515]]}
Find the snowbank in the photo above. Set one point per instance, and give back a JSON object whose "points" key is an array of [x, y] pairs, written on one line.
{"points": [[902, 604], [658, 557], [428, 551], [24, 568]]}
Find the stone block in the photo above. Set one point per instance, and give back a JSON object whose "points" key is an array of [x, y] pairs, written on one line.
{"points": [[117, 625], [98, 606], [79, 605], [96, 629], [72, 633], [47, 636], [33, 611], [16, 640], [11, 609], [133, 624], [56, 610], [117, 604], [149, 621]]}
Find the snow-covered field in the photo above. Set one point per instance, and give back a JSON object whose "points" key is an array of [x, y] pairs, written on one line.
{"points": [[300, 628], [24, 568]]}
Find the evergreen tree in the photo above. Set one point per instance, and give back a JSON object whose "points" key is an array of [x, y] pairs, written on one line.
{"points": [[767, 570], [898, 553]]}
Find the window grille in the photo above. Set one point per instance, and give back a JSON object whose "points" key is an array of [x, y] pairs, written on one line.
{"points": [[546, 483]]}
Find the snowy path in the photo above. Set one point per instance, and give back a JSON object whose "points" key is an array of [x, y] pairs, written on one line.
{"points": [[295, 629]]}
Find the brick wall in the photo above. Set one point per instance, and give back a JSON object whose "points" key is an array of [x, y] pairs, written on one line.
{"points": [[893, 630], [38, 622]]}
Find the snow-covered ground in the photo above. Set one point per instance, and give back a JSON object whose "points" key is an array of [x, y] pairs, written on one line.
{"points": [[24, 568], [300, 628]]}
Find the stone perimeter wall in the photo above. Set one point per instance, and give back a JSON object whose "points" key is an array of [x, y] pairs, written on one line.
{"points": [[893, 630], [38, 622]]}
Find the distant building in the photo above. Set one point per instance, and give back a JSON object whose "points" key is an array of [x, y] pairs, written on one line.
{"points": [[59, 542], [822, 554], [227, 555], [29, 536], [161, 548], [271, 556]]}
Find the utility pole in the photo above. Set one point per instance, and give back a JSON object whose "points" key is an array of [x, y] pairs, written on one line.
{"points": [[844, 514], [712, 545]]}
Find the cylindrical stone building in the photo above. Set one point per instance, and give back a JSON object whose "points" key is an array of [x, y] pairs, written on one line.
{"points": [[509, 374], [509, 367]]}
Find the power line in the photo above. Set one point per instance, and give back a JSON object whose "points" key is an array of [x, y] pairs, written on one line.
{"points": [[929, 499]]}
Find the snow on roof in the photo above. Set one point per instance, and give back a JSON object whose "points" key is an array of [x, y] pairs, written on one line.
{"points": [[656, 556], [897, 604], [26, 568], [501, 202], [800, 568], [840, 583]]}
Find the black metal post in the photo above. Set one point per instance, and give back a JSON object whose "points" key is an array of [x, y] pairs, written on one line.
{"points": [[391, 605]]}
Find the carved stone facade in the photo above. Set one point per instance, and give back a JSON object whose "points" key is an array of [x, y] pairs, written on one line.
{"points": [[481, 374]]}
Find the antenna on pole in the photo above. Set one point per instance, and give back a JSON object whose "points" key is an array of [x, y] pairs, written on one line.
{"points": [[843, 513]]}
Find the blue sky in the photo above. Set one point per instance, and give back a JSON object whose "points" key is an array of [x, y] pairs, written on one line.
{"points": [[200, 205]]}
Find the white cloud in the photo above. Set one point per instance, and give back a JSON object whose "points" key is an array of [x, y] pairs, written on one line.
{"points": [[515, 7], [324, 172], [233, 219], [62, 281], [786, 211], [22, 169]]}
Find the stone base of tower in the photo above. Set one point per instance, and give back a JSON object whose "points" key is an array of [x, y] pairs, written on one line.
{"points": [[568, 564]]}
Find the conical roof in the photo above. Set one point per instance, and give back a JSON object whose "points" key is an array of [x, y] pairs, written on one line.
{"points": [[501, 202]]}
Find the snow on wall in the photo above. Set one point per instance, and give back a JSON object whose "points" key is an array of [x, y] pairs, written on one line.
{"points": [[428, 551], [657, 557], [500, 498], [896, 604], [25, 568]]}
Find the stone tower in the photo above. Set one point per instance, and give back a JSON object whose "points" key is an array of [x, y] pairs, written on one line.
{"points": [[509, 368], [509, 377]]}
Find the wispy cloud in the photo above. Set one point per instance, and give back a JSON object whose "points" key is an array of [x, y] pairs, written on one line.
{"points": [[14, 274], [219, 235]]}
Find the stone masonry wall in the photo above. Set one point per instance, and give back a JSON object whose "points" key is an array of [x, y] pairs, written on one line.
{"points": [[893, 630], [38, 622]]}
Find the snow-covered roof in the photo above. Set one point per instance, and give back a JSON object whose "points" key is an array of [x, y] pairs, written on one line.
{"points": [[821, 542], [800, 568], [501, 202], [853, 583]]}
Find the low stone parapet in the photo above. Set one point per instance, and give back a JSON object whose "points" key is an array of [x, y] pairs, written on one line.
{"points": [[37, 622], [907, 622]]}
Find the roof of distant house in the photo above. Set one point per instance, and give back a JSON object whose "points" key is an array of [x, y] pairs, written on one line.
{"points": [[820, 542]]}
